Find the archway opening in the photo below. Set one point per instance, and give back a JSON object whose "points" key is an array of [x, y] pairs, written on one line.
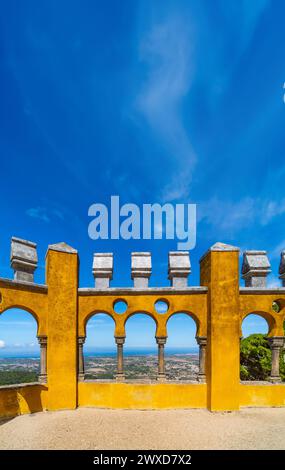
{"points": [[181, 349], [255, 353], [19, 347], [100, 348], [140, 351]]}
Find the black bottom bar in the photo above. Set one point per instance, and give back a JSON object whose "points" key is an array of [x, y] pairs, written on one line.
{"points": [[128, 459]]}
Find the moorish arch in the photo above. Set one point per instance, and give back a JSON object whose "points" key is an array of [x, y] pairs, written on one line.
{"points": [[141, 345], [99, 335], [258, 326], [21, 317], [182, 328]]}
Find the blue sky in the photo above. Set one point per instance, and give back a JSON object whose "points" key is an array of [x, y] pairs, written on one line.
{"points": [[154, 101]]}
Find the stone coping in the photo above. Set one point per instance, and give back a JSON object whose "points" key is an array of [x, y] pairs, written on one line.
{"points": [[177, 382], [11, 386], [143, 382], [140, 291], [260, 382], [140, 382], [24, 284], [263, 290]]}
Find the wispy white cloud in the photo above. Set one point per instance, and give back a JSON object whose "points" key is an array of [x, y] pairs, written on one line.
{"points": [[38, 213], [93, 323], [24, 345], [44, 214], [166, 50], [231, 216], [272, 209], [243, 17], [227, 215], [178, 187], [2, 344], [98, 319]]}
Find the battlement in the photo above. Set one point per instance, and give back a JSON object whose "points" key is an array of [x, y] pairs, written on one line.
{"points": [[218, 306], [255, 266]]}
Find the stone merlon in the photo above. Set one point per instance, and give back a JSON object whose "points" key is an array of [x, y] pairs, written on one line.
{"points": [[102, 269], [282, 268], [179, 268], [141, 268], [24, 259], [255, 268]]}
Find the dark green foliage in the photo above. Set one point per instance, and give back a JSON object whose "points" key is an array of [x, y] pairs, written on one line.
{"points": [[276, 307], [255, 358], [17, 376]]}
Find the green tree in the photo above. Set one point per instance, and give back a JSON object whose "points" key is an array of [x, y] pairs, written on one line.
{"points": [[255, 358], [17, 376]]}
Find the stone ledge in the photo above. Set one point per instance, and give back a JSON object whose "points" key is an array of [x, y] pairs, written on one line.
{"points": [[23, 285], [149, 291], [11, 386], [260, 382], [141, 382], [263, 290]]}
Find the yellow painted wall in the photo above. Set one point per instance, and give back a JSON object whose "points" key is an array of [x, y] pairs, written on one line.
{"points": [[262, 395], [18, 400], [142, 396], [194, 305], [32, 299]]}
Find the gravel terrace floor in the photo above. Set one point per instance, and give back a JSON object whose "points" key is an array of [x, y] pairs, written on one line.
{"points": [[89, 428]]}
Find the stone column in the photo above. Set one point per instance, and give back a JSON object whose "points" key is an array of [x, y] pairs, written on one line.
{"points": [[43, 361], [202, 341], [161, 366], [120, 358], [276, 344], [81, 371]]}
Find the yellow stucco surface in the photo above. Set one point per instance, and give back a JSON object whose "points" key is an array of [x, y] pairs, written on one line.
{"points": [[219, 272], [33, 300], [194, 305], [22, 399], [62, 311], [62, 280], [262, 395], [142, 396], [261, 304]]}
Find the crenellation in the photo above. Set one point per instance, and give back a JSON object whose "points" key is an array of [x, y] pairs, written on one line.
{"points": [[255, 268], [141, 269], [282, 268], [102, 269], [24, 259], [179, 268]]}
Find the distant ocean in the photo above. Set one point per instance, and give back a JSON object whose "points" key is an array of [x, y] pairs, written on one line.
{"points": [[104, 352]]}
